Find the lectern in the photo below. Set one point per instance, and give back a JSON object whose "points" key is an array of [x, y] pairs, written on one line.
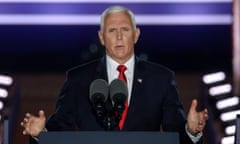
{"points": [[107, 137]]}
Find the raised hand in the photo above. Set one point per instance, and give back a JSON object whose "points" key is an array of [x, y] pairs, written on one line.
{"points": [[196, 121], [33, 125]]}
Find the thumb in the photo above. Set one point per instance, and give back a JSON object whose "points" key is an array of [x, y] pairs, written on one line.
{"points": [[41, 114], [193, 105]]}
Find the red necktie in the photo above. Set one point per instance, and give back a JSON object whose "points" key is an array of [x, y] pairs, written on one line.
{"points": [[121, 76]]}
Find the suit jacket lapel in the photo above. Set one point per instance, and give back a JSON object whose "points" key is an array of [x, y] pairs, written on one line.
{"points": [[138, 80], [138, 84]]}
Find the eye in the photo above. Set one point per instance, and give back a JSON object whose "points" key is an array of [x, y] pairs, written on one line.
{"points": [[125, 29], [111, 30]]}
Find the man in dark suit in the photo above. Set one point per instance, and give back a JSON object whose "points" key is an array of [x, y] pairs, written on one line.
{"points": [[153, 103]]}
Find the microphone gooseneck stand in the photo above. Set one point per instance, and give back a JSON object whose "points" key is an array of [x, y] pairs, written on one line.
{"points": [[108, 119]]}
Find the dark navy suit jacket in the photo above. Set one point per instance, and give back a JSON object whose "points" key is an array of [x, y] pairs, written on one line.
{"points": [[154, 100]]}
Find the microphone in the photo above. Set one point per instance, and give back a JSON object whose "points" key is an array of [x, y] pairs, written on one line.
{"points": [[98, 95], [118, 94]]}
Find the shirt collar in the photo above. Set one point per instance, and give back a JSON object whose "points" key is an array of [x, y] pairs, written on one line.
{"points": [[112, 64], [112, 68]]}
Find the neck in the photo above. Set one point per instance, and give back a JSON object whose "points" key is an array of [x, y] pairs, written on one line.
{"points": [[121, 61]]}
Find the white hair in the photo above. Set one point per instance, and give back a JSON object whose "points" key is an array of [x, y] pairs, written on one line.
{"points": [[114, 9]]}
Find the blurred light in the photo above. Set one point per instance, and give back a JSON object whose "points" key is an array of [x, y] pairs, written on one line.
{"points": [[228, 140], [93, 48], [221, 89], [1, 105], [228, 116], [3, 93], [184, 19], [117, 1], [214, 77], [143, 56], [5, 80], [85, 55], [230, 130], [58, 19], [228, 102]]}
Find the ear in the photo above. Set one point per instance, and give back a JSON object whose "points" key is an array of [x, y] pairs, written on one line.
{"points": [[100, 36], [137, 34]]}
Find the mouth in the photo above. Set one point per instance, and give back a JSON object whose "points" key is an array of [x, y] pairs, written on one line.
{"points": [[119, 46]]}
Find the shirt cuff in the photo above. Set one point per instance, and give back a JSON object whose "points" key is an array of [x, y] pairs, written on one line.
{"points": [[195, 138], [36, 138]]}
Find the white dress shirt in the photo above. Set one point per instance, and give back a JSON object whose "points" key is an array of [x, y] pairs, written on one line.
{"points": [[113, 73]]}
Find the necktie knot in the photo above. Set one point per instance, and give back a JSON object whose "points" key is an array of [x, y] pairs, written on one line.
{"points": [[122, 69]]}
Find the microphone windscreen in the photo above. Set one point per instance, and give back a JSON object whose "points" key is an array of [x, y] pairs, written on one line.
{"points": [[98, 91], [118, 90]]}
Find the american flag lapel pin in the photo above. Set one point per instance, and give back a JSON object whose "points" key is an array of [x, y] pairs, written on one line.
{"points": [[139, 80]]}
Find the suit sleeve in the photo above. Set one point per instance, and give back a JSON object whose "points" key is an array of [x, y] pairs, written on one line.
{"points": [[174, 118], [64, 117]]}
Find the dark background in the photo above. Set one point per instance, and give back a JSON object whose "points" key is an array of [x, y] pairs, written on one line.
{"points": [[56, 48]]}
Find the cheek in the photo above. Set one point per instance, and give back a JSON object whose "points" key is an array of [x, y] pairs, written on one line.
{"points": [[109, 42], [130, 41]]}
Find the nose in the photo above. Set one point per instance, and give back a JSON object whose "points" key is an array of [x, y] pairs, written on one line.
{"points": [[119, 35]]}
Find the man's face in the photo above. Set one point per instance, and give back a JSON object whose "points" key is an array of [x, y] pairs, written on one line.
{"points": [[118, 36]]}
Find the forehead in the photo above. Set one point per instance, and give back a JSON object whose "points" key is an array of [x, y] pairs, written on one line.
{"points": [[118, 18]]}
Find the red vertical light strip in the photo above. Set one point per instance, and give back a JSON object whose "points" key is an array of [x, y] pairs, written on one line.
{"points": [[236, 46]]}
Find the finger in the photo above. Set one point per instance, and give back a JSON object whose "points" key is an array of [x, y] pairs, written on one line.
{"points": [[202, 115], [22, 124], [27, 115], [25, 120], [206, 117], [41, 114], [193, 105], [201, 123], [201, 126], [206, 110], [27, 129], [24, 132]]}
